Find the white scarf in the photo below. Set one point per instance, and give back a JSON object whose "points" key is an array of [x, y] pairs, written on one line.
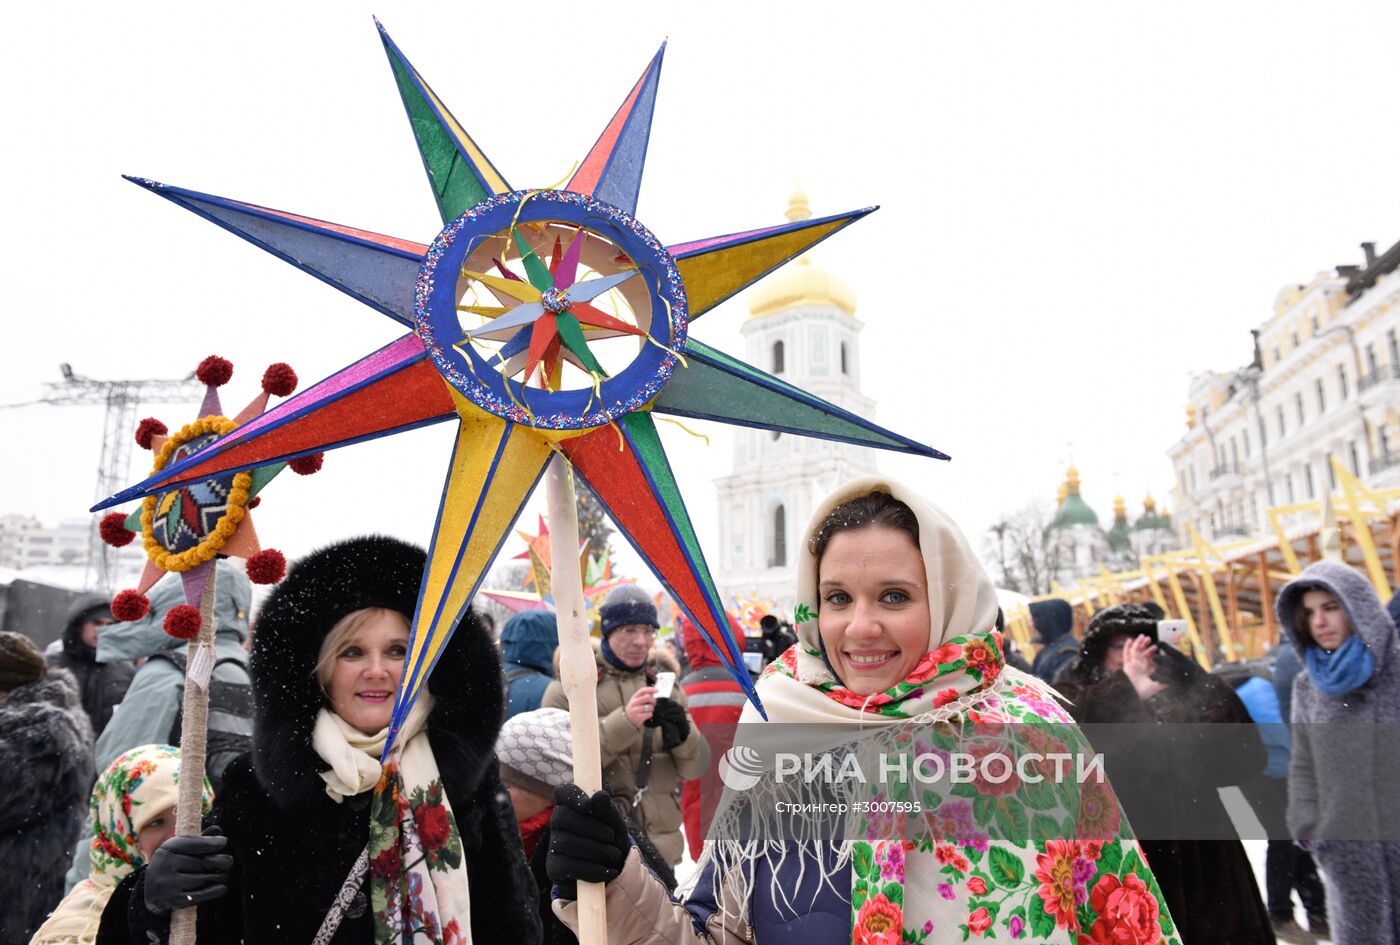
{"points": [[419, 890], [353, 755]]}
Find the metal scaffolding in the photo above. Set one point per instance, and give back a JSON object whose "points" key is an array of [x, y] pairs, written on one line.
{"points": [[121, 399]]}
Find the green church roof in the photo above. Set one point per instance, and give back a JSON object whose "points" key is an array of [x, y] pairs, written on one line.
{"points": [[1074, 511]]}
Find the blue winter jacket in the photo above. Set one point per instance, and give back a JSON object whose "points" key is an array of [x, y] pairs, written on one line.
{"points": [[528, 642], [1261, 701]]}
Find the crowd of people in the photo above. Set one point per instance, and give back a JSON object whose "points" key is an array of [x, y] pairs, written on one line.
{"points": [[473, 830]]}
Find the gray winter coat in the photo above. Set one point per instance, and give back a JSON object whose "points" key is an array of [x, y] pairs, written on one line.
{"points": [[147, 714], [1344, 782]]}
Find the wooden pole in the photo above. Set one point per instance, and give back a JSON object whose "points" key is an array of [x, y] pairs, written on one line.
{"points": [[578, 671], [194, 729]]}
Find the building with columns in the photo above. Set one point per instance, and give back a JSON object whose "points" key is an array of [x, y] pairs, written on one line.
{"points": [[802, 328], [1324, 383]]}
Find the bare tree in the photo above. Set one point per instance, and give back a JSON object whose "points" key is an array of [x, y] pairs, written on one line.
{"points": [[1025, 553]]}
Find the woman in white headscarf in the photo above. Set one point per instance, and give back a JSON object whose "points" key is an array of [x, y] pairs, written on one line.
{"points": [[898, 649]]}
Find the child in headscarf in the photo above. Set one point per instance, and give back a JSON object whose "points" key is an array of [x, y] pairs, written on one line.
{"points": [[133, 812]]}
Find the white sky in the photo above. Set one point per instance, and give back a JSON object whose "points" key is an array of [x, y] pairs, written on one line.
{"points": [[1082, 203]]}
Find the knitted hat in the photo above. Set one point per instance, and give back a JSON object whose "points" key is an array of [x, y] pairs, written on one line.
{"points": [[627, 605], [536, 751], [20, 661]]}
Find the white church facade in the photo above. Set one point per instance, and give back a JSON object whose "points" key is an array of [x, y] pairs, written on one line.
{"points": [[802, 328]]}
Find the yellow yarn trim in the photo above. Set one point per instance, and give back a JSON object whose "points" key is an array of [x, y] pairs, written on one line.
{"points": [[228, 523]]}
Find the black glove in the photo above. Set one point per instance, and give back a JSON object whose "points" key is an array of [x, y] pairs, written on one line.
{"points": [[675, 724], [587, 839], [185, 871]]}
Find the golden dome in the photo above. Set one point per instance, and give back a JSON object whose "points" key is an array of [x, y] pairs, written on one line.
{"points": [[800, 282], [1120, 508], [1072, 481]]}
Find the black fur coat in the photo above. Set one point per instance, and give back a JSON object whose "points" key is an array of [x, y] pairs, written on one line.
{"points": [[1166, 769], [292, 845], [45, 776]]}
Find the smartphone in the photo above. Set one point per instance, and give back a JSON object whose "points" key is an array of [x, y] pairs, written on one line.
{"points": [[1170, 632]]}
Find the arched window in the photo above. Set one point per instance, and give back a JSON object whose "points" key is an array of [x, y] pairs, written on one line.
{"points": [[844, 368], [777, 357], [779, 556]]}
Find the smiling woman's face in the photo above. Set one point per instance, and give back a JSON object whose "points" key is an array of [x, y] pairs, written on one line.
{"points": [[873, 616], [365, 670]]}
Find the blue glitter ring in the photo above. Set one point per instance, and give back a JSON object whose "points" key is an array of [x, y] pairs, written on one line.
{"points": [[477, 379]]}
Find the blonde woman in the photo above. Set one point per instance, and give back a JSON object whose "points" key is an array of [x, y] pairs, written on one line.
{"points": [[318, 838]]}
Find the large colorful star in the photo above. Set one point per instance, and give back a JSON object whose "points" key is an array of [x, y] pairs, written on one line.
{"points": [[530, 375]]}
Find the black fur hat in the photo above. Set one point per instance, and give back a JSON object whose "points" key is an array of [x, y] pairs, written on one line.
{"points": [[1129, 620], [372, 571]]}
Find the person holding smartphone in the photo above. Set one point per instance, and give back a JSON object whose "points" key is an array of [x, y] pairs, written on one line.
{"points": [[649, 742], [1167, 775]]}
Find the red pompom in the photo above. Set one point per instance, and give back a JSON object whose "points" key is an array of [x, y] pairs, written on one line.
{"points": [[267, 566], [306, 465], [255, 501], [182, 622], [279, 379], [148, 429], [130, 605], [113, 530], [214, 371]]}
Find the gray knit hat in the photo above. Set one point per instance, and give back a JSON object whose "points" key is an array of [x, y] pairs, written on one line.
{"points": [[536, 751]]}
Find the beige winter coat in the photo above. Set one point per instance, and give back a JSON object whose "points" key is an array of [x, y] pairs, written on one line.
{"points": [[659, 812]]}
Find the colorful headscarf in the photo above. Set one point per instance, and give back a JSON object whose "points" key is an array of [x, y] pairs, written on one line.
{"points": [[135, 788]]}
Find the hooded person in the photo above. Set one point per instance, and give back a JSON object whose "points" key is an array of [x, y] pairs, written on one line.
{"points": [[1168, 768], [536, 754], [648, 745], [715, 702], [150, 712], [319, 838], [1054, 629], [132, 813], [528, 642], [45, 774], [1344, 782], [896, 646], [102, 685]]}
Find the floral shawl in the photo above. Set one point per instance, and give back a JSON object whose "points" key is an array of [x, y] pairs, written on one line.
{"points": [[418, 874]]}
